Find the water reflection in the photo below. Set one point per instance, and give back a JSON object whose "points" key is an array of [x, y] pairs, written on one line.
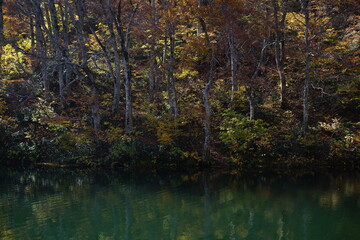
{"points": [[63, 204]]}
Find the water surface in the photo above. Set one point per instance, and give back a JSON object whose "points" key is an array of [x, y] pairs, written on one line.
{"points": [[64, 204]]}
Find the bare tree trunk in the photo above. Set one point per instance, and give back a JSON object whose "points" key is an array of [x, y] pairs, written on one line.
{"points": [[152, 74], [32, 34], [250, 98], [90, 80], [128, 100], [305, 5], [1, 33], [95, 106], [207, 120], [40, 47], [233, 65], [153, 64], [169, 64], [207, 106], [61, 84], [172, 80], [1, 22], [167, 75], [250, 90], [124, 47], [164, 63], [284, 102], [279, 52], [116, 99], [107, 56], [36, 66], [200, 23], [60, 51], [110, 24], [170, 73], [64, 13]]}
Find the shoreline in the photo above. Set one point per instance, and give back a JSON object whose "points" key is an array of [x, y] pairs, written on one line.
{"points": [[275, 169]]}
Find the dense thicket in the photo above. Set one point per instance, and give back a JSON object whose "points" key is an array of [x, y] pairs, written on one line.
{"points": [[177, 82]]}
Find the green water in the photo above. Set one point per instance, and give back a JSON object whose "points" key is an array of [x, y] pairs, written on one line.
{"points": [[63, 204]]}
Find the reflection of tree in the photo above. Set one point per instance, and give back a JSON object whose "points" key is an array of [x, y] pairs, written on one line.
{"points": [[77, 206], [306, 217], [251, 223], [128, 219], [207, 209], [282, 230], [116, 222]]}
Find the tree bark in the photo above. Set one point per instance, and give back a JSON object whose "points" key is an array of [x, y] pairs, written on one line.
{"points": [[117, 62], [61, 84], [64, 12], [170, 73], [207, 120], [95, 106], [206, 100], [233, 64], [169, 63], [40, 50], [1, 33], [107, 56], [251, 105], [124, 48], [60, 51], [128, 100], [110, 20], [1, 22], [305, 5], [89, 75], [250, 90], [201, 23], [279, 52], [153, 69], [152, 74]]}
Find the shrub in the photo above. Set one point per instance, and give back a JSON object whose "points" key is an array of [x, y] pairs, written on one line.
{"points": [[241, 135], [343, 137]]}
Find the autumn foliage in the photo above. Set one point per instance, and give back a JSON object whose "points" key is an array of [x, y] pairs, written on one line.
{"points": [[179, 82]]}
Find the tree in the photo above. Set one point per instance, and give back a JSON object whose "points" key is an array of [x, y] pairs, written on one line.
{"points": [[169, 56], [255, 53], [210, 80], [106, 9], [280, 47], [180, 70], [153, 68], [87, 74], [117, 19], [1, 32], [305, 8]]}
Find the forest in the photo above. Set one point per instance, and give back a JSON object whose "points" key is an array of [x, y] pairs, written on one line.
{"points": [[180, 83]]}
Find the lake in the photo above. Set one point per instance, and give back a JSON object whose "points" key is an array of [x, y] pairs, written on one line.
{"points": [[50, 203]]}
